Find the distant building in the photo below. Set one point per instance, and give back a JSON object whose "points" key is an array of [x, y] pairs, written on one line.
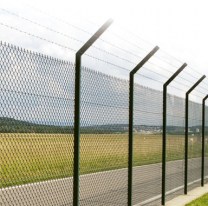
{"points": [[197, 129]]}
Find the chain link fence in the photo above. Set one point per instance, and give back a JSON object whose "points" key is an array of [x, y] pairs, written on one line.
{"points": [[37, 142], [195, 145], [147, 148], [103, 140], [37, 115], [175, 146]]}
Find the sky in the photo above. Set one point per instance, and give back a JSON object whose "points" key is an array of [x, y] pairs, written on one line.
{"points": [[178, 27]]}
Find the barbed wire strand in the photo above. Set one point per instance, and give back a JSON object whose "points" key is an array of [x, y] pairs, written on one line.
{"points": [[52, 16], [78, 28], [173, 80], [63, 21], [67, 36], [160, 50], [119, 26], [75, 39], [43, 39], [84, 18]]}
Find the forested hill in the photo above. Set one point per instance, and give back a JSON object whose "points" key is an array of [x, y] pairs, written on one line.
{"points": [[10, 125]]}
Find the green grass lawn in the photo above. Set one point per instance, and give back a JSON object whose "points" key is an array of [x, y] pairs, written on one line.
{"points": [[28, 158], [202, 201]]}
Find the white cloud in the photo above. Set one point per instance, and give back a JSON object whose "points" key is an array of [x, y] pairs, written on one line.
{"points": [[178, 27]]}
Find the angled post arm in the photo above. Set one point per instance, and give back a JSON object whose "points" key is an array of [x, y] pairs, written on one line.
{"points": [[79, 54], [131, 108], [165, 127]]}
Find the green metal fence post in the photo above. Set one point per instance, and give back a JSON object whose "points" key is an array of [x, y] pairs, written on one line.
{"points": [[186, 132], [203, 139], [131, 107], [164, 129], [77, 107]]}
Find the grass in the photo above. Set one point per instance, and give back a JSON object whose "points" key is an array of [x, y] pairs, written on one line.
{"points": [[28, 158], [202, 201]]}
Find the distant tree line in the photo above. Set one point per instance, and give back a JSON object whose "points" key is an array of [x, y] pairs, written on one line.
{"points": [[10, 125], [55, 130]]}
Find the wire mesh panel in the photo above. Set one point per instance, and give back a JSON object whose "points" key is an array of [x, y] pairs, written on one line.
{"points": [[175, 147], [147, 145], [104, 140], [36, 125], [36, 133], [195, 145]]}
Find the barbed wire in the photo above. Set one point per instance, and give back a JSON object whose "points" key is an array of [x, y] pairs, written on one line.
{"points": [[169, 85], [65, 35], [92, 45], [52, 16], [75, 39], [160, 50], [63, 21], [66, 22], [120, 38], [184, 91], [115, 34], [65, 47], [173, 80], [43, 39], [71, 49]]}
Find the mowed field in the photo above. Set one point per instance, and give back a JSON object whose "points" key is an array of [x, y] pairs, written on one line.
{"points": [[27, 158]]}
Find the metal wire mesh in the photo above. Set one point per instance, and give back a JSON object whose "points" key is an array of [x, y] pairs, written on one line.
{"points": [[37, 111], [175, 146], [195, 145], [36, 131], [147, 156], [104, 140]]}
